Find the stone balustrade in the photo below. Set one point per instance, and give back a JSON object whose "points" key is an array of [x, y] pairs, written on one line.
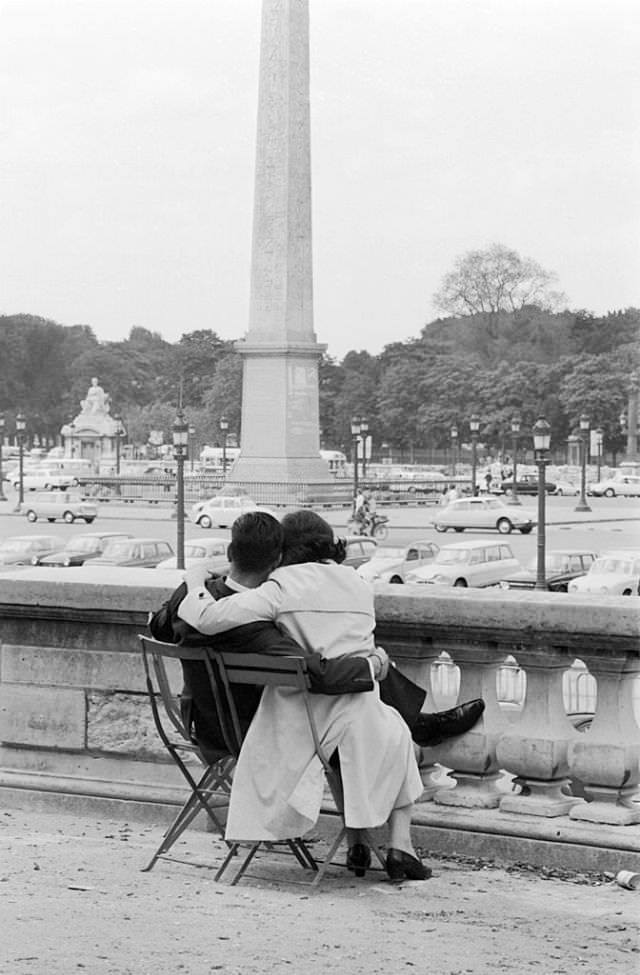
{"points": [[74, 716]]}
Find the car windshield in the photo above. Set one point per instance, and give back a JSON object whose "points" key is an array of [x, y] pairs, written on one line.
{"points": [[390, 553], [452, 556], [619, 566], [117, 549], [553, 563], [195, 551], [81, 545]]}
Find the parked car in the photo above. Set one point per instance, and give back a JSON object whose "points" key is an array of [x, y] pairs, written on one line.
{"points": [[139, 552], [560, 567], [567, 488], [525, 484], [360, 548], [59, 504], [79, 549], [21, 549], [474, 563], [223, 510], [43, 479], [392, 563], [623, 485], [483, 512], [614, 573], [211, 552]]}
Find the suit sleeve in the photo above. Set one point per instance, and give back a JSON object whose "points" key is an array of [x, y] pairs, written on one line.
{"points": [[208, 615]]}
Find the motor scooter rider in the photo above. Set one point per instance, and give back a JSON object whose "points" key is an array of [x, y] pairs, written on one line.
{"points": [[361, 510]]}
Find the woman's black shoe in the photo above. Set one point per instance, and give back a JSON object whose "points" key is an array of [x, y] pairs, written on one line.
{"points": [[402, 866], [358, 859]]}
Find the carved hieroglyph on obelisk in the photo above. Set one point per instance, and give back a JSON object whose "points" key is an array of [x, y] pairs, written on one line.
{"points": [[280, 421]]}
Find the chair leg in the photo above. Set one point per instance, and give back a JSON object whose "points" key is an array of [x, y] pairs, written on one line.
{"points": [[247, 860], [329, 857], [233, 849]]}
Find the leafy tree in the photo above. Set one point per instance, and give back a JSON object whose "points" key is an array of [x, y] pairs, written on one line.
{"points": [[195, 360], [488, 282], [224, 397]]}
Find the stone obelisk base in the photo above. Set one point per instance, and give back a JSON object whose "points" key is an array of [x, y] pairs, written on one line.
{"points": [[280, 422]]}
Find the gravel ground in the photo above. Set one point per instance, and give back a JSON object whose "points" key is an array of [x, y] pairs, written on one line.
{"points": [[73, 899]]}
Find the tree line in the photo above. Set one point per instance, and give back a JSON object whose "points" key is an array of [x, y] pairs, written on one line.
{"points": [[501, 348]]}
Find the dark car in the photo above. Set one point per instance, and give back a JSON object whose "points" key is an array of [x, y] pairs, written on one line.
{"points": [[136, 552], [22, 549], [526, 484], [79, 549], [560, 567]]}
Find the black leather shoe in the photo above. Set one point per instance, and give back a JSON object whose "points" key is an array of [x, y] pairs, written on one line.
{"points": [[402, 866], [358, 859], [432, 729]]}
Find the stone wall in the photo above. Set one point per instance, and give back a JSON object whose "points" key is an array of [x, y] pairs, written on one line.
{"points": [[75, 719]]}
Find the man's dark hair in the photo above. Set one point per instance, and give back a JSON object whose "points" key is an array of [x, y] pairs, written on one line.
{"points": [[256, 542], [309, 538]]}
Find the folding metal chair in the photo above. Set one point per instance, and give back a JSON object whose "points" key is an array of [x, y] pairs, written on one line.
{"points": [[215, 781], [281, 671]]}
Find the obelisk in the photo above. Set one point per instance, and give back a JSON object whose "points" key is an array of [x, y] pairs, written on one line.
{"points": [[280, 437]]}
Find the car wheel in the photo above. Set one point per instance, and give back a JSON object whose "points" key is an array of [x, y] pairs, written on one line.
{"points": [[526, 529], [504, 526], [69, 517], [559, 492], [396, 580], [47, 487], [204, 521], [627, 592], [460, 584], [440, 528], [75, 482], [609, 493], [32, 516], [89, 521]]}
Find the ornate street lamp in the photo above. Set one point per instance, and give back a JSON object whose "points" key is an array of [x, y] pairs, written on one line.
{"points": [[584, 443], [541, 442], [355, 439], [599, 443], [118, 433], [2, 494], [21, 425], [454, 447], [224, 426], [180, 434], [364, 429], [474, 426], [515, 430]]}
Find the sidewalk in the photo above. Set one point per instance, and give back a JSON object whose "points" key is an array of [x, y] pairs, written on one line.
{"points": [[72, 898]]}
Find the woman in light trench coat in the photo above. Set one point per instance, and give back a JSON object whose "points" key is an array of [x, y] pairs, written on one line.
{"points": [[278, 781]]}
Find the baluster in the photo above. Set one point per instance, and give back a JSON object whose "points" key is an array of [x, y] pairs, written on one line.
{"points": [[535, 747], [606, 758], [472, 757], [421, 672]]}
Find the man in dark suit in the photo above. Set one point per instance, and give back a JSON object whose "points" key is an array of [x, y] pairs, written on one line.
{"points": [[254, 551]]}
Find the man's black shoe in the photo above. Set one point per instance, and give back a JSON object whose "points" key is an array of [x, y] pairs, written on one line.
{"points": [[432, 729]]}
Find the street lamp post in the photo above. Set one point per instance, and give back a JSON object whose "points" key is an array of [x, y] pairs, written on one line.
{"points": [[21, 425], [180, 446], [515, 430], [224, 426], [584, 442], [192, 443], [454, 446], [355, 438], [364, 429], [117, 419], [474, 426], [541, 442], [2, 494], [599, 442]]}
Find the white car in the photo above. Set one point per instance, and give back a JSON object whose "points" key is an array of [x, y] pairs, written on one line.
{"points": [[210, 552], [392, 564], [223, 510], [614, 573], [623, 485], [478, 563], [483, 512], [566, 488], [43, 479], [67, 505]]}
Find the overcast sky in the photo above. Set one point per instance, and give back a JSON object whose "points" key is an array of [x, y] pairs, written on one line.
{"points": [[438, 126]]}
